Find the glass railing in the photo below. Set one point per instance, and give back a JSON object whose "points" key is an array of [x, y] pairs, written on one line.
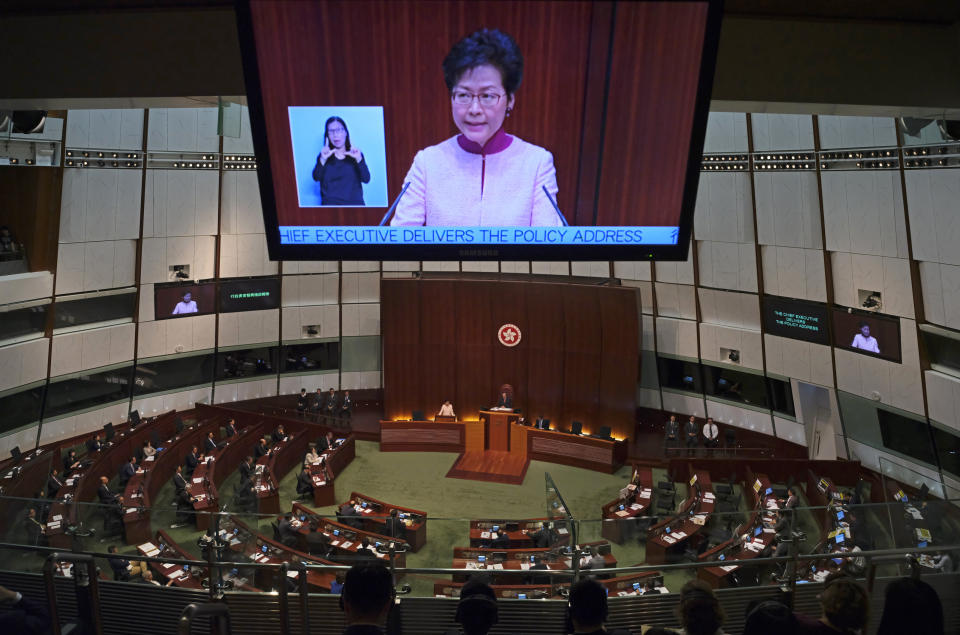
{"points": [[631, 551]]}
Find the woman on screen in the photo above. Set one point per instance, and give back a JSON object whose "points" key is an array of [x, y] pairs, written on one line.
{"points": [[340, 167], [483, 176], [864, 341], [186, 305]]}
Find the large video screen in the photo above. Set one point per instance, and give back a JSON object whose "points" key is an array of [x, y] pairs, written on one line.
{"points": [[416, 129], [867, 333], [184, 300], [253, 294], [796, 319]]}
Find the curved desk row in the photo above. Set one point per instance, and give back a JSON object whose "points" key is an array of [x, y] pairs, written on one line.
{"points": [[619, 516], [672, 534], [519, 533], [344, 539], [377, 512]]}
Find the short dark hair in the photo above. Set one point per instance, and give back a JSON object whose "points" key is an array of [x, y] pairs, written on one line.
{"points": [[862, 324], [845, 602], [588, 602], [700, 611], [911, 606], [486, 46], [477, 609], [368, 588], [769, 616]]}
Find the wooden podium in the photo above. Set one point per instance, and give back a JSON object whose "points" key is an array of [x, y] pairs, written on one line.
{"points": [[498, 429]]}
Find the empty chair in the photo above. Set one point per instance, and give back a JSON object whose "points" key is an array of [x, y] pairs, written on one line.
{"points": [[604, 432], [418, 415], [666, 486], [576, 427], [730, 436], [155, 438]]}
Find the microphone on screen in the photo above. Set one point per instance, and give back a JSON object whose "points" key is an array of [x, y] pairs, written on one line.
{"points": [[556, 209], [394, 206]]}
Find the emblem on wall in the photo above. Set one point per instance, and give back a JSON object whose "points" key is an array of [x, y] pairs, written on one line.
{"points": [[509, 335]]}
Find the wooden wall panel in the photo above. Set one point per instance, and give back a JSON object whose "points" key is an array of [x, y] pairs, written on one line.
{"points": [[578, 358]]}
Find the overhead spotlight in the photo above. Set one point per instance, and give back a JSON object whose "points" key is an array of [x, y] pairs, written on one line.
{"points": [[114, 163], [29, 161], [176, 165], [69, 153], [86, 154], [99, 154], [114, 155], [101, 163]]}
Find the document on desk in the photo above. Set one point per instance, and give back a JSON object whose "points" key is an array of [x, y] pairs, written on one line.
{"points": [[484, 534], [346, 545], [623, 513], [646, 493], [728, 568], [175, 575], [679, 534], [198, 480], [131, 510], [562, 531], [525, 566], [699, 519]]}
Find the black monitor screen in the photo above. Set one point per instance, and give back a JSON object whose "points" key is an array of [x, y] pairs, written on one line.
{"points": [[796, 319], [571, 130], [867, 333], [249, 295]]}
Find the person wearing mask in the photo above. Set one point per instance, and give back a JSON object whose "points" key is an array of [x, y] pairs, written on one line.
{"points": [[70, 462], [304, 482], [191, 461], [230, 430], [587, 609], [279, 434], [179, 482], [148, 450], [54, 483], [327, 441], [671, 433], [94, 444], [302, 403], [103, 492], [711, 434], [246, 469], [261, 449], [346, 406], [690, 435], [210, 443], [127, 470]]}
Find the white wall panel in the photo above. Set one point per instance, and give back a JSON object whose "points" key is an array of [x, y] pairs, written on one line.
{"points": [[182, 335], [159, 254], [23, 363], [890, 276], [292, 385], [360, 287], [25, 439], [676, 272], [677, 337], [401, 265], [628, 270], [740, 417], [99, 205], [932, 197], [442, 265], [940, 285], [249, 327], [676, 300], [74, 425], [481, 266], [356, 266], [245, 255], [683, 404], [726, 132], [856, 132], [95, 266], [647, 398], [590, 269], [361, 380], [184, 400], [361, 319], [244, 143], [241, 391], [728, 265], [183, 130], [105, 129], [311, 266], [21, 287], [561, 268], [724, 208], [646, 293], [241, 212], [794, 273], [863, 213], [714, 337], [805, 361], [306, 290], [729, 308], [180, 203], [788, 209], [782, 132], [790, 431], [325, 318]]}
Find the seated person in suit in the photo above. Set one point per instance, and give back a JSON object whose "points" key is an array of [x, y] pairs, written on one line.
{"points": [[179, 482], [505, 400], [34, 528], [544, 537], [210, 443], [346, 406], [230, 429], [366, 551], [304, 481], [191, 461], [94, 444], [148, 450], [287, 530], [124, 569], [502, 541], [54, 483], [185, 503], [446, 410], [70, 462], [596, 561], [147, 578], [246, 468], [349, 515], [395, 526], [538, 565], [103, 492], [127, 470], [279, 434], [113, 518], [261, 449], [318, 544], [331, 406], [327, 441]]}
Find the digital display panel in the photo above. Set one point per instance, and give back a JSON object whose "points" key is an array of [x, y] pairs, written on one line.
{"points": [[478, 130], [796, 319], [184, 300], [866, 333], [249, 295]]}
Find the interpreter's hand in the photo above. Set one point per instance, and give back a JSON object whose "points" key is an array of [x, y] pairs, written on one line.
{"points": [[7, 594], [355, 154], [325, 152]]}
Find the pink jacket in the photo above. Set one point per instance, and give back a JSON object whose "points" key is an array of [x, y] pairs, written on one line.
{"points": [[457, 183]]}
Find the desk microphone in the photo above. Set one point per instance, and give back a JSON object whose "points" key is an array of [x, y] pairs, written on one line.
{"points": [[394, 206], [556, 209]]}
